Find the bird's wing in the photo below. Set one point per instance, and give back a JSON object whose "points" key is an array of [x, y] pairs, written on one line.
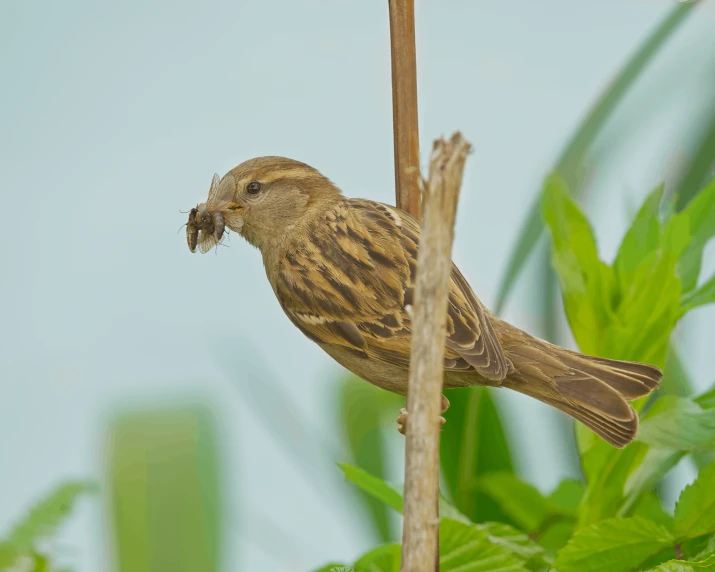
{"points": [[351, 283]]}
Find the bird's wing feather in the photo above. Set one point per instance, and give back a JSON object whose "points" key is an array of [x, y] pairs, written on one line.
{"points": [[351, 283]]}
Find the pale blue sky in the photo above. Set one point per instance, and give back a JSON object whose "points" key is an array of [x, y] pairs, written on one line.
{"points": [[113, 116]]}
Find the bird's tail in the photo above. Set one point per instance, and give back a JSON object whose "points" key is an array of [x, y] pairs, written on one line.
{"points": [[594, 391]]}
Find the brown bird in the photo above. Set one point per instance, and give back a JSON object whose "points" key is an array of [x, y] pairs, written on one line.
{"points": [[343, 271]]}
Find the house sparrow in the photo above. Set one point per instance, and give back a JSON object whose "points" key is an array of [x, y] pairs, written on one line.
{"points": [[343, 271]]}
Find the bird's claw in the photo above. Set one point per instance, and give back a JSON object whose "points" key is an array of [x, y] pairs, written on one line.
{"points": [[402, 421]]}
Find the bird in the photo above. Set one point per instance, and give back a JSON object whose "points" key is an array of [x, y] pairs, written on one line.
{"points": [[343, 271]]}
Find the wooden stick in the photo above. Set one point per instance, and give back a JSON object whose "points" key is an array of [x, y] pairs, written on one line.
{"points": [[404, 106], [424, 397]]}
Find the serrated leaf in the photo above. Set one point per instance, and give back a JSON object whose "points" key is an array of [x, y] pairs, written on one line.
{"points": [[466, 548], [334, 568], [473, 443], [43, 519], [679, 424], [522, 502], [707, 565], [695, 511], [613, 545], [518, 543], [382, 559]]}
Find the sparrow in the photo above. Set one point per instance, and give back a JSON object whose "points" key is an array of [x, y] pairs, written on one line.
{"points": [[343, 271]]}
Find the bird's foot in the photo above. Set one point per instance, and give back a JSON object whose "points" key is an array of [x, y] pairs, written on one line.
{"points": [[402, 419]]}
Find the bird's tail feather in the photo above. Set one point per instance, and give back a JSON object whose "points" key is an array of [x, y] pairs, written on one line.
{"points": [[595, 391]]}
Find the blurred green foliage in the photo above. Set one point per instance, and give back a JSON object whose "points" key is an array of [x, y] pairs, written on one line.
{"points": [[164, 492]]}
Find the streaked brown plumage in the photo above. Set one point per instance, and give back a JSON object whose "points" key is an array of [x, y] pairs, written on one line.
{"points": [[343, 271]]}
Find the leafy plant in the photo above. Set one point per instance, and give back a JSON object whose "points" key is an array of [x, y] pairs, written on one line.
{"points": [[23, 547], [612, 521]]}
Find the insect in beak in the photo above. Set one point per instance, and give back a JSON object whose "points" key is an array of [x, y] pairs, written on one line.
{"points": [[204, 227]]}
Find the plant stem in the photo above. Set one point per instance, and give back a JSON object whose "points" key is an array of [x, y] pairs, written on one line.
{"points": [[404, 106], [424, 396]]}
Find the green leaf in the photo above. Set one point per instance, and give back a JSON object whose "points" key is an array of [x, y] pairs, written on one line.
{"points": [[642, 240], [518, 543], [522, 502], [707, 399], [46, 516], [613, 545], [655, 465], [585, 281], [465, 548], [391, 495], [382, 559], [707, 565], [607, 470], [695, 511], [703, 295], [573, 154], [473, 443], [698, 218], [361, 408], [334, 568], [557, 534], [165, 495], [373, 486], [567, 497], [650, 508], [679, 424]]}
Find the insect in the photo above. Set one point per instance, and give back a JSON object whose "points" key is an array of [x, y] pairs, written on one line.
{"points": [[205, 227]]}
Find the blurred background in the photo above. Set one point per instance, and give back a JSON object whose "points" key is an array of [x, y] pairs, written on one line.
{"points": [[113, 119]]}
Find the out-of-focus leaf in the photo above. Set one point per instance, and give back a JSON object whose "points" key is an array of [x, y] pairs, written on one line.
{"points": [[473, 443], [43, 519], [695, 511], [675, 378], [607, 470], [567, 496], [557, 534], [522, 502], [703, 295], [334, 568], [465, 547], [707, 565], [707, 399], [613, 545], [698, 220], [361, 408], [653, 467], [382, 559], [163, 482], [678, 423], [701, 163], [650, 508], [373, 486], [573, 154], [392, 495]]}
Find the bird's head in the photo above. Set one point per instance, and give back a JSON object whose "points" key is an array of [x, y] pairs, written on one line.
{"points": [[263, 199]]}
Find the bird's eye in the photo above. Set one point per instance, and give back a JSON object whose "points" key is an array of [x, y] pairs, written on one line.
{"points": [[253, 188]]}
